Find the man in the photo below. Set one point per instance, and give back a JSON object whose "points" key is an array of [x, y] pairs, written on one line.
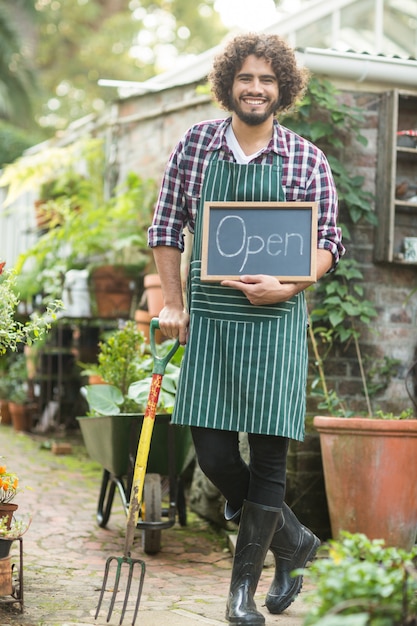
{"points": [[245, 364]]}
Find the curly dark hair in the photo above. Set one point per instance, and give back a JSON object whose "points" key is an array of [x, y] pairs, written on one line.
{"points": [[292, 80]]}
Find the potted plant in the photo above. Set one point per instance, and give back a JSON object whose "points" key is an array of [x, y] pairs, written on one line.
{"points": [[11, 528], [361, 582], [368, 465], [9, 483], [111, 436], [13, 332], [94, 228], [9, 532], [125, 365], [119, 363]]}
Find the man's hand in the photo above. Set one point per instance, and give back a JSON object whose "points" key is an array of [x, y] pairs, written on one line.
{"points": [[174, 323], [263, 289]]}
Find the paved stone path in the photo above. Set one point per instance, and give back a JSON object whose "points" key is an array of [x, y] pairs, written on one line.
{"points": [[65, 551]]}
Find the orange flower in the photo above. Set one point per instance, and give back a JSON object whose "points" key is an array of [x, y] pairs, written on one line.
{"points": [[8, 485]]}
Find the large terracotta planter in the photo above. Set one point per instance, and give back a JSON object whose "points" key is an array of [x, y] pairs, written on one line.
{"points": [[370, 475], [5, 416]]}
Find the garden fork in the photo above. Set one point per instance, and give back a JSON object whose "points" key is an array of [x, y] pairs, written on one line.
{"points": [[159, 366]]}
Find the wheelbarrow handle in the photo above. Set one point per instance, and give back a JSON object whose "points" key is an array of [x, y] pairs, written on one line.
{"points": [[160, 362]]}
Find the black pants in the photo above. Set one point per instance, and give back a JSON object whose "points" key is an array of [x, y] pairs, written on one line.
{"points": [[262, 481]]}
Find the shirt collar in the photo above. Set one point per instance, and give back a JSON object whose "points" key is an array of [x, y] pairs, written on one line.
{"points": [[278, 143]]}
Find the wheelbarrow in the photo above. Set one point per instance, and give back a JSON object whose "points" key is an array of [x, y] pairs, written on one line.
{"points": [[112, 441]]}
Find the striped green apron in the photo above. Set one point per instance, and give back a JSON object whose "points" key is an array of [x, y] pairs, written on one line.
{"points": [[245, 366]]}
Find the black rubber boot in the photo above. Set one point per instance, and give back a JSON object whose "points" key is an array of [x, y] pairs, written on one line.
{"points": [[257, 526], [230, 515], [292, 545]]}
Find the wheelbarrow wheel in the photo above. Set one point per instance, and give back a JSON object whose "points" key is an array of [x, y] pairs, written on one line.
{"points": [[151, 512]]}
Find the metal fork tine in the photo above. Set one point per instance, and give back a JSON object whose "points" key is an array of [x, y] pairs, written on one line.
{"points": [[131, 564], [103, 586], [116, 586], [142, 580], [128, 585]]}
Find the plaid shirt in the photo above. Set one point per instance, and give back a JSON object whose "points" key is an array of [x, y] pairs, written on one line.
{"points": [[305, 176]]}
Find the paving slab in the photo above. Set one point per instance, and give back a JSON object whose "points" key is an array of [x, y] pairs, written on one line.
{"points": [[65, 551]]}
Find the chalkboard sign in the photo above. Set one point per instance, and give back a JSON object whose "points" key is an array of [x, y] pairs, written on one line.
{"points": [[246, 238]]}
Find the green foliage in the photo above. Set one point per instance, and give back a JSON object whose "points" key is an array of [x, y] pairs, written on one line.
{"points": [[357, 576], [339, 309], [84, 224], [126, 364], [17, 76], [330, 124], [77, 47], [119, 364], [139, 390], [404, 415], [341, 304], [13, 142], [13, 332]]}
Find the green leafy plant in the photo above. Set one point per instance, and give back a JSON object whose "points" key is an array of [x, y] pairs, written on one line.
{"points": [[119, 364], [18, 527], [322, 117], [13, 332], [139, 390], [91, 225], [341, 309], [355, 576], [128, 369]]}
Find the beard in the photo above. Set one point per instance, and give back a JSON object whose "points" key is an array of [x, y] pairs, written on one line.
{"points": [[253, 118]]}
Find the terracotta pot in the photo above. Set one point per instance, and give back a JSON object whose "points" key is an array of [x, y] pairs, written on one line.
{"points": [[7, 510], [143, 319], [21, 416], [6, 586], [5, 416], [112, 291], [153, 292], [370, 475], [95, 379]]}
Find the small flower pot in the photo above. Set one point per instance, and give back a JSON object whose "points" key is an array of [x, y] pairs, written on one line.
{"points": [[21, 417], [7, 509], [5, 545]]}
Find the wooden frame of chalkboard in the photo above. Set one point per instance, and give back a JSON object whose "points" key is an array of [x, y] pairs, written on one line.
{"points": [[247, 238]]}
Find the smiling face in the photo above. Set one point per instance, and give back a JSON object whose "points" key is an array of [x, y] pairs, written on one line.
{"points": [[255, 92]]}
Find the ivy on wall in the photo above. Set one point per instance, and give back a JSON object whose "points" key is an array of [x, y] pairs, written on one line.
{"points": [[330, 124]]}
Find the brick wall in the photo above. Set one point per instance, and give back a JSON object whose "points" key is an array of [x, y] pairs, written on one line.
{"points": [[393, 333], [148, 127]]}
